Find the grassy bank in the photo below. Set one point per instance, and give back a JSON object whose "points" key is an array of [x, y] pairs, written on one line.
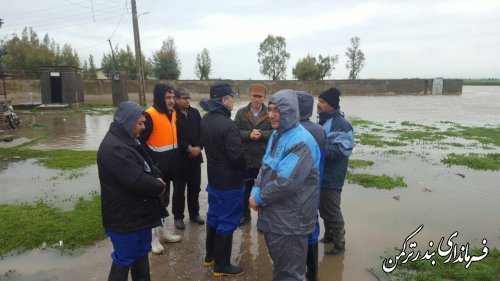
{"points": [[490, 161], [481, 82], [24, 227], [487, 269], [63, 159]]}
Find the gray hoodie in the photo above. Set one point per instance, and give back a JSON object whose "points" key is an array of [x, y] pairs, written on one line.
{"points": [[126, 115]]}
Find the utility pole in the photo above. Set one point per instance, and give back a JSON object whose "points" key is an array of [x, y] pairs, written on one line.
{"points": [[138, 56]]}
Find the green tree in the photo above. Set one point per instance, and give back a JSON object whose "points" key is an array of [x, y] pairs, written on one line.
{"points": [[85, 69], [125, 61], [92, 72], [273, 57], [306, 69], [24, 55], [203, 65], [326, 65], [165, 62], [69, 56], [355, 59], [310, 68]]}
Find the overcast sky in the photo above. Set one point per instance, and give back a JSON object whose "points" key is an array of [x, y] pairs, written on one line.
{"points": [[400, 39]]}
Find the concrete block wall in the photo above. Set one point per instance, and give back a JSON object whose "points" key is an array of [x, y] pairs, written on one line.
{"points": [[99, 91]]}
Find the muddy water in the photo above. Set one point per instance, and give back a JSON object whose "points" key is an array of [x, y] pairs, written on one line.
{"points": [[375, 222]]}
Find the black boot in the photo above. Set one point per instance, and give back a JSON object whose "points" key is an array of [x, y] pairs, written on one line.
{"points": [[328, 236], [223, 247], [338, 243], [140, 269], [209, 247], [118, 273], [312, 262]]}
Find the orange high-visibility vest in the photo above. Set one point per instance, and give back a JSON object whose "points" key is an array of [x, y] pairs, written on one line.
{"points": [[164, 135]]}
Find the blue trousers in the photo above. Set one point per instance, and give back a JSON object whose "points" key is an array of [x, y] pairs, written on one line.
{"points": [[225, 208], [130, 246]]}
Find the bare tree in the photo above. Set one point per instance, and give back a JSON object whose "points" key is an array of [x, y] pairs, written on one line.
{"points": [[355, 58]]}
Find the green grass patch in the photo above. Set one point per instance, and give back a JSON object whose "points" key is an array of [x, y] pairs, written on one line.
{"points": [[376, 181], [24, 227], [482, 82], [419, 135], [484, 270], [39, 126], [362, 122], [377, 140], [424, 127], [490, 161], [63, 159], [358, 163], [395, 152], [484, 135]]}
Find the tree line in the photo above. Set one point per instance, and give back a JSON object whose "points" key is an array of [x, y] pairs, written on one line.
{"points": [[26, 53]]}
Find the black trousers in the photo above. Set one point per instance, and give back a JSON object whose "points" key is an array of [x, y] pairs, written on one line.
{"points": [[250, 176], [190, 177]]}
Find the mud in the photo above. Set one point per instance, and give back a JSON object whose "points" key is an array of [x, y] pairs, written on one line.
{"points": [[375, 221]]}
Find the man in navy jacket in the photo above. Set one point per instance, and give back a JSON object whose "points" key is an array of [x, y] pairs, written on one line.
{"points": [[339, 145]]}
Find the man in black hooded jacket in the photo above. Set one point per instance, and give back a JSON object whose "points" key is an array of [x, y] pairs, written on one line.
{"points": [[160, 140]]}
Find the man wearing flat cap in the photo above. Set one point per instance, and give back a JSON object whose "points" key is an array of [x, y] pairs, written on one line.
{"points": [[255, 129], [339, 145], [226, 164]]}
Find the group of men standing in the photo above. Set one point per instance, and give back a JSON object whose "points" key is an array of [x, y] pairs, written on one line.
{"points": [[271, 158]]}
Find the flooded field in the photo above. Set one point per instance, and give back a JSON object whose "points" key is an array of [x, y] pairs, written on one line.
{"points": [[443, 198]]}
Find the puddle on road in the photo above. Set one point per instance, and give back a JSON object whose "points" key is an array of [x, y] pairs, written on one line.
{"points": [[375, 222]]}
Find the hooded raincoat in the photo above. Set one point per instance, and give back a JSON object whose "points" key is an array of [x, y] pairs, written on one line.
{"points": [[287, 185]]}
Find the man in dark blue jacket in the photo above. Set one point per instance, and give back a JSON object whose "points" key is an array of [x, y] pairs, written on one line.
{"points": [[226, 164], [339, 145], [131, 188]]}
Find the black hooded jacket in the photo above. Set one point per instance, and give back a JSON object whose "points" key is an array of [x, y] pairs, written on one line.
{"points": [[129, 188], [221, 139]]}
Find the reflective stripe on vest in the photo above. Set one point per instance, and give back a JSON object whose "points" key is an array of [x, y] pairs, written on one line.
{"points": [[163, 148], [164, 134]]}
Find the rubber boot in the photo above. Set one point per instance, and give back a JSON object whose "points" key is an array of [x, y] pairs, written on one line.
{"points": [[156, 246], [140, 269], [312, 262], [118, 273], [222, 253], [209, 247], [166, 235], [338, 243], [328, 236]]}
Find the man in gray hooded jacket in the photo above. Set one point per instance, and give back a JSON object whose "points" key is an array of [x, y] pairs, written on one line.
{"points": [[286, 190]]}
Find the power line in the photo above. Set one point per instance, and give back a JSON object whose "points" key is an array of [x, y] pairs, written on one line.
{"points": [[119, 22], [61, 22], [76, 16]]}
